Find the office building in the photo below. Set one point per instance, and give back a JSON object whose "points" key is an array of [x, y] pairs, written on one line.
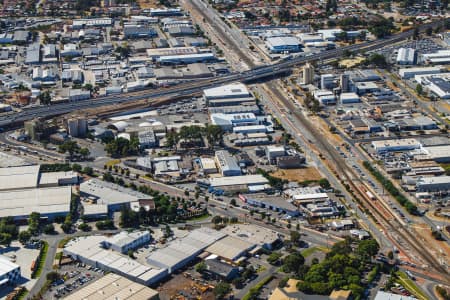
{"points": [[124, 241], [327, 81], [308, 74], [344, 81]]}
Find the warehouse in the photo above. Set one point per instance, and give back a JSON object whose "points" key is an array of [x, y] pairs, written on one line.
{"points": [[230, 248], [283, 44], [250, 233], [227, 164], [301, 199], [100, 197], [248, 129], [437, 84], [439, 57], [9, 271], [228, 121], [235, 90], [187, 58], [406, 56], [87, 250], [433, 184], [218, 270], [124, 241], [180, 252], [113, 286], [395, 145], [274, 203], [349, 98], [208, 165], [239, 183], [411, 72], [275, 151], [440, 154], [12, 178]]}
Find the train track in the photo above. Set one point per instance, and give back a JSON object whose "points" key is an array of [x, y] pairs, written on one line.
{"points": [[381, 214]]}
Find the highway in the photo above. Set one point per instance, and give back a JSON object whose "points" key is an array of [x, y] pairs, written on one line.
{"points": [[191, 88]]}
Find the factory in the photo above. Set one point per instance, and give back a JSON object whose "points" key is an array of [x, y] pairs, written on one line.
{"points": [[25, 189], [283, 44], [440, 154], [180, 252], [228, 121], [349, 98], [395, 145], [89, 250], [100, 198], [9, 271], [113, 286]]}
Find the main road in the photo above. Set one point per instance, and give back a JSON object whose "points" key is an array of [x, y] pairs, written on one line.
{"points": [[194, 88]]}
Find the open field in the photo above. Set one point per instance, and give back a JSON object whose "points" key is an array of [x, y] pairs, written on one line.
{"points": [[309, 173], [146, 4]]}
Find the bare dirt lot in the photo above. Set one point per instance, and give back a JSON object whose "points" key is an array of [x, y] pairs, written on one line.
{"points": [[146, 4], [309, 173], [181, 287]]}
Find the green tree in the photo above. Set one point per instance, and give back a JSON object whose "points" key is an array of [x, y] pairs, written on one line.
{"points": [[88, 171], [45, 98], [49, 229], [295, 237], [34, 223], [292, 262], [84, 152], [69, 146], [24, 237], [274, 258], [221, 290], [419, 89], [76, 167], [200, 267]]}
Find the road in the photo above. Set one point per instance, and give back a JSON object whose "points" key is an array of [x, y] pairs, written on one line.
{"points": [[188, 89]]}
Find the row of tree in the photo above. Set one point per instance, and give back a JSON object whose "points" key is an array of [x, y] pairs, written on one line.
{"points": [[194, 133]]}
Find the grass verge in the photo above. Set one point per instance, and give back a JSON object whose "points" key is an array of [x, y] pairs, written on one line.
{"points": [[63, 242], [410, 285], [254, 291], [310, 251], [41, 260]]}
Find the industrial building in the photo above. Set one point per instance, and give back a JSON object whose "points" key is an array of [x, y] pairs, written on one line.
{"points": [[231, 248], [263, 237], [395, 145], [274, 203], [187, 58], [411, 72], [255, 182], [349, 98], [218, 270], [113, 286], [437, 84], [228, 121], [283, 44], [439, 57], [100, 198], [440, 154], [227, 164], [208, 165], [88, 250], [147, 139], [77, 127], [124, 241], [229, 91], [273, 152], [25, 189], [180, 252], [9, 271], [406, 56], [433, 184]]}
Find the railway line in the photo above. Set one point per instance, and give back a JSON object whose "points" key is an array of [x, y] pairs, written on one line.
{"points": [[384, 216]]}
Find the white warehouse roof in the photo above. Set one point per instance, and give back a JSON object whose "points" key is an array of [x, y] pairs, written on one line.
{"points": [[235, 90], [19, 177], [43, 200], [241, 180]]}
